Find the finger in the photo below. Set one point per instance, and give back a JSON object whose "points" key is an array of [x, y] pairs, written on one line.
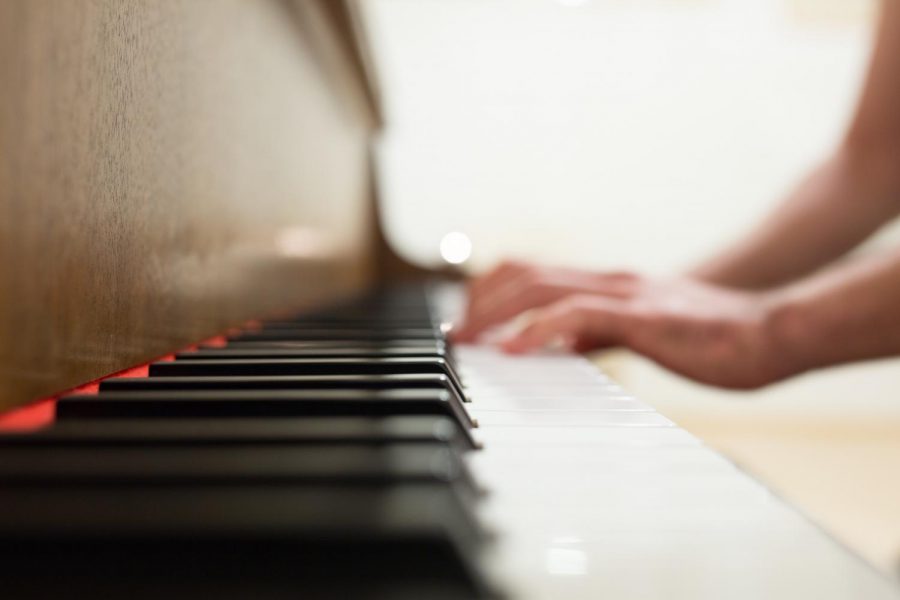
{"points": [[517, 287], [516, 297], [502, 302], [481, 290], [533, 288], [575, 317], [529, 290], [483, 294], [617, 284], [496, 277]]}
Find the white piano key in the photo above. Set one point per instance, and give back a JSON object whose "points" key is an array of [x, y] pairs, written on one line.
{"points": [[561, 403], [571, 418], [583, 437]]}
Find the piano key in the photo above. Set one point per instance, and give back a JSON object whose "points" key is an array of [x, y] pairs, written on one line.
{"points": [[379, 306], [210, 432], [262, 403], [434, 345], [258, 541], [245, 465], [572, 418], [388, 299], [350, 352], [361, 327], [300, 366], [335, 334], [539, 437], [419, 381], [366, 314], [310, 366], [559, 403], [354, 321], [280, 382]]}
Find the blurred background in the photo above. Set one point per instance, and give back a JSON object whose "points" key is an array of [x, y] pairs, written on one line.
{"points": [[645, 134]]}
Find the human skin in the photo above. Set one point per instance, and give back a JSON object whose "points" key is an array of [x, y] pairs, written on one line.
{"points": [[773, 305]]}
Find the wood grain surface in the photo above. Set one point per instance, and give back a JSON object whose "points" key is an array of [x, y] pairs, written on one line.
{"points": [[168, 169]]}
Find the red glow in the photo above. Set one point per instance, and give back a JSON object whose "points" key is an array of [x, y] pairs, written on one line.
{"points": [[141, 371], [34, 416], [220, 341], [41, 413]]}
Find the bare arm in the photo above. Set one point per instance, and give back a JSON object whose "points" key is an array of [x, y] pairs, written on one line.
{"points": [[841, 203], [848, 313], [734, 338]]}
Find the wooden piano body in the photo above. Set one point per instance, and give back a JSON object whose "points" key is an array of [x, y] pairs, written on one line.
{"points": [[171, 170]]}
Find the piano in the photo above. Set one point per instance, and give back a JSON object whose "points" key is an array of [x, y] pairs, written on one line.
{"points": [[219, 379]]}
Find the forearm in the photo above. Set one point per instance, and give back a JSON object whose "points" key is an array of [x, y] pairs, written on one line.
{"points": [[848, 313], [842, 202], [838, 206]]}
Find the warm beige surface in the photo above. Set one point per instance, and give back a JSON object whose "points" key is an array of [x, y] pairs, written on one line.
{"points": [[828, 442], [844, 474], [167, 169]]}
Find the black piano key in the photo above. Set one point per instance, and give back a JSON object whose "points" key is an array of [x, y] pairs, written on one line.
{"points": [[349, 465], [279, 382], [265, 335], [176, 404], [354, 321], [421, 381], [388, 345], [349, 352], [310, 366], [360, 327], [385, 304], [406, 541], [366, 315], [212, 432], [299, 366]]}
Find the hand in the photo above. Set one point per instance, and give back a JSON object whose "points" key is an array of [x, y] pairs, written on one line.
{"points": [[515, 287], [711, 334]]}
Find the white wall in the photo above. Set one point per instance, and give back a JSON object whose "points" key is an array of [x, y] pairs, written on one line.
{"points": [[609, 133]]}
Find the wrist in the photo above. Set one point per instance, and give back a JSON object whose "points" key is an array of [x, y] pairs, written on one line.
{"points": [[792, 337]]}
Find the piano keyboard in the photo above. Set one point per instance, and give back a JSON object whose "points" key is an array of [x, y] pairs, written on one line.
{"points": [[353, 454]]}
